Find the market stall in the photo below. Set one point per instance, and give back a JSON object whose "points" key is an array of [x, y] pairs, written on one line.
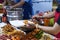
{"points": [[13, 27]]}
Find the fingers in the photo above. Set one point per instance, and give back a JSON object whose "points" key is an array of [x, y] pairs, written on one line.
{"points": [[35, 16]]}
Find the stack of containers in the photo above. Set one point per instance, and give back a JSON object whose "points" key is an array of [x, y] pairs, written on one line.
{"points": [[15, 14]]}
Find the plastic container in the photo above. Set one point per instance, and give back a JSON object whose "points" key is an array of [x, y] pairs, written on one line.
{"points": [[15, 14]]}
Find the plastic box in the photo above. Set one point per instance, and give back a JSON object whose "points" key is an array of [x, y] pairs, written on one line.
{"points": [[16, 14]]}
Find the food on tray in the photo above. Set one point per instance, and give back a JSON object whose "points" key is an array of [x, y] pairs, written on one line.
{"points": [[16, 32], [15, 38], [30, 22], [26, 21], [5, 37], [8, 28], [39, 34], [28, 37], [45, 37], [32, 35], [34, 21], [16, 35]]}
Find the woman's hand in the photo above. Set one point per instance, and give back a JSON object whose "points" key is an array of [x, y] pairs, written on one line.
{"points": [[35, 16], [38, 26]]}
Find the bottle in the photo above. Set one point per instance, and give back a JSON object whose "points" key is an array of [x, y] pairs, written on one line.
{"points": [[4, 18]]}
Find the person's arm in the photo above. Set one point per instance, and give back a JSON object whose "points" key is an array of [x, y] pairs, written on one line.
{"points": [[45, 16], [19, 4], [49, 15], [52, 30]]}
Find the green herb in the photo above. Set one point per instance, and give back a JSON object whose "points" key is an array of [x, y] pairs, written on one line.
{"points": [[39, 35]]}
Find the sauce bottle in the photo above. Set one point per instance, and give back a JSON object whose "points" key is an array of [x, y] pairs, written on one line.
{"points": [[4, 18]]}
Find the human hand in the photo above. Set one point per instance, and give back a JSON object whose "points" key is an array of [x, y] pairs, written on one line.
{"points": [[34, 16], [38, 26], [37, 17], [34, 21]]}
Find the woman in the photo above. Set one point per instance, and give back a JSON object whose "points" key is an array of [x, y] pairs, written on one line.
{"points": [[55, 30], [25, 4], [27, 9]]}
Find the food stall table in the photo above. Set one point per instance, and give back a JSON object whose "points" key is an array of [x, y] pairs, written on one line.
{"points": [[18, 23]]}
